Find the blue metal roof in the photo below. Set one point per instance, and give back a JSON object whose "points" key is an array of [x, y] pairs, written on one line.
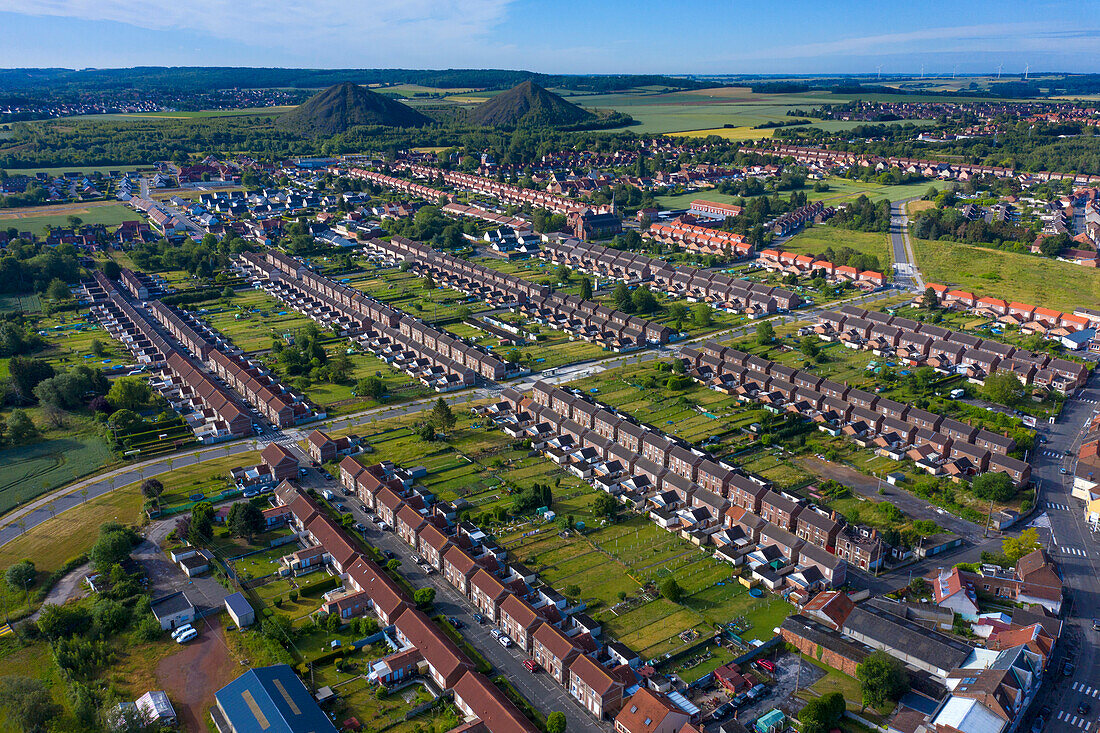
{"points": [[274, 700]]}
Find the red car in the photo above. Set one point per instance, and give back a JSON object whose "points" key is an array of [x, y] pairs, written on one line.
{"points": [[531, 665], [766, 665]]}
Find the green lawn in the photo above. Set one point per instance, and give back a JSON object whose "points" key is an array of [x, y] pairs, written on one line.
{"points": [[1031, 279], [36, 220], [816, 239]]}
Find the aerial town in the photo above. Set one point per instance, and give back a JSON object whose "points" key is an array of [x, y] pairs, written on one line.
{"points": [[753, 396]]}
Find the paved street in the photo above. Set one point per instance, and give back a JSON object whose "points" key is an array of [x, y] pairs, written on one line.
{"points": [[906, 274], [1077, 551]]}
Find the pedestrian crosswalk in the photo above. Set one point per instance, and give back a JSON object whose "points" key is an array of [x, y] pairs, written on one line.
{"points": [[1063, 507], [1074, 551], [1079, 721], [1051, 454], [1085, 689]]}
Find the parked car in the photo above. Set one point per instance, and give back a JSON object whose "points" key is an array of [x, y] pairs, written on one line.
{"points": [[186, 636], [505, 640], [388, 554], [766, 665], [1067, 668], [181, 630], [456, 623], [495, 633], [478, 617], [1084, 708], [723, 711], [531, 665]]}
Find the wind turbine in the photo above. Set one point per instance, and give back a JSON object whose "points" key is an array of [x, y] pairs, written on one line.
{"points": [[953, 70], [879, 71], [1027, 68], [999, 67], [922, 72]]}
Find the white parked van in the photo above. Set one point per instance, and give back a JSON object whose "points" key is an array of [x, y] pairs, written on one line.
{"points": [[186, 636], [180, 630]]}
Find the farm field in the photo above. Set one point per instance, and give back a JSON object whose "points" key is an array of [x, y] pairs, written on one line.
{"points": [[30, 470], [815, 239], [730, 133], [84, 169], [35, 219], [1011, 276]]}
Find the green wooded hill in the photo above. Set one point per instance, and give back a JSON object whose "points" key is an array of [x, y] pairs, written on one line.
{"points": [[346, 105], [525, 105]]}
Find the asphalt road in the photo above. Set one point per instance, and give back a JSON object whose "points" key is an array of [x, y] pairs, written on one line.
{"points": [[1077, 550], [906, 274]]}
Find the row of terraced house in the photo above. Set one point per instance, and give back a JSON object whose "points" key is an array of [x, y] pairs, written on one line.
{"points": [[937, 444], [422, 647], [803, 264], [586, 319], [438, 359], [599, 673], [790, 546], [694, 284], [211, 410], [950, 352]]}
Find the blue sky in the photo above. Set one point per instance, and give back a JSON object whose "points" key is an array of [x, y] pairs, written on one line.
{"points": [[559, 36]]}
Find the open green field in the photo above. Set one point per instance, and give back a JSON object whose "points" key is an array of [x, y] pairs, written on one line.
{"points": [[683, 200], [1031, 279], [78, 526], [37, 219], [27, 471], [815, 239]]}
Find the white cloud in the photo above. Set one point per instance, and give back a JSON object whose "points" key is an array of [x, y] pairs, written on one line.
{"points": [[359, 25]]}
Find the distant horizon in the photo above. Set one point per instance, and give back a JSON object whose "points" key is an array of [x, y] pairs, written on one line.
{"points": [[700, 37]]}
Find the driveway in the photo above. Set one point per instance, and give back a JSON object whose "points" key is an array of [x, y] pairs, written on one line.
{"points": [[166, 577], [192, 675], [69, 587]]}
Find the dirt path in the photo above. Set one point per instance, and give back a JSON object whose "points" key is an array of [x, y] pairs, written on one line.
{"points": [[71, 586], [192, 676]]}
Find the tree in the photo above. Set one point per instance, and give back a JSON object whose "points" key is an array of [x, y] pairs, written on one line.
{"points": [[424, 597], [556, 722], [110, 549], [1004, 388], [97, 348], [671, 590], [126, 422], [881, 678], [245, 520], [678, 312], [339, 368], [605, 506], [26, 373], [20, 576], [442, 415], [810, 345], [621, 296], [821, 714], [20, 427], [370, 387], [702, 314], [996, 486], [644, 300], [202, 523], [426, 432], [586, 289], [111, 269], [28, 702], [129, 393], [1016, 547], [765, 333], [151, 488], [58, 290], [918, 586]]}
